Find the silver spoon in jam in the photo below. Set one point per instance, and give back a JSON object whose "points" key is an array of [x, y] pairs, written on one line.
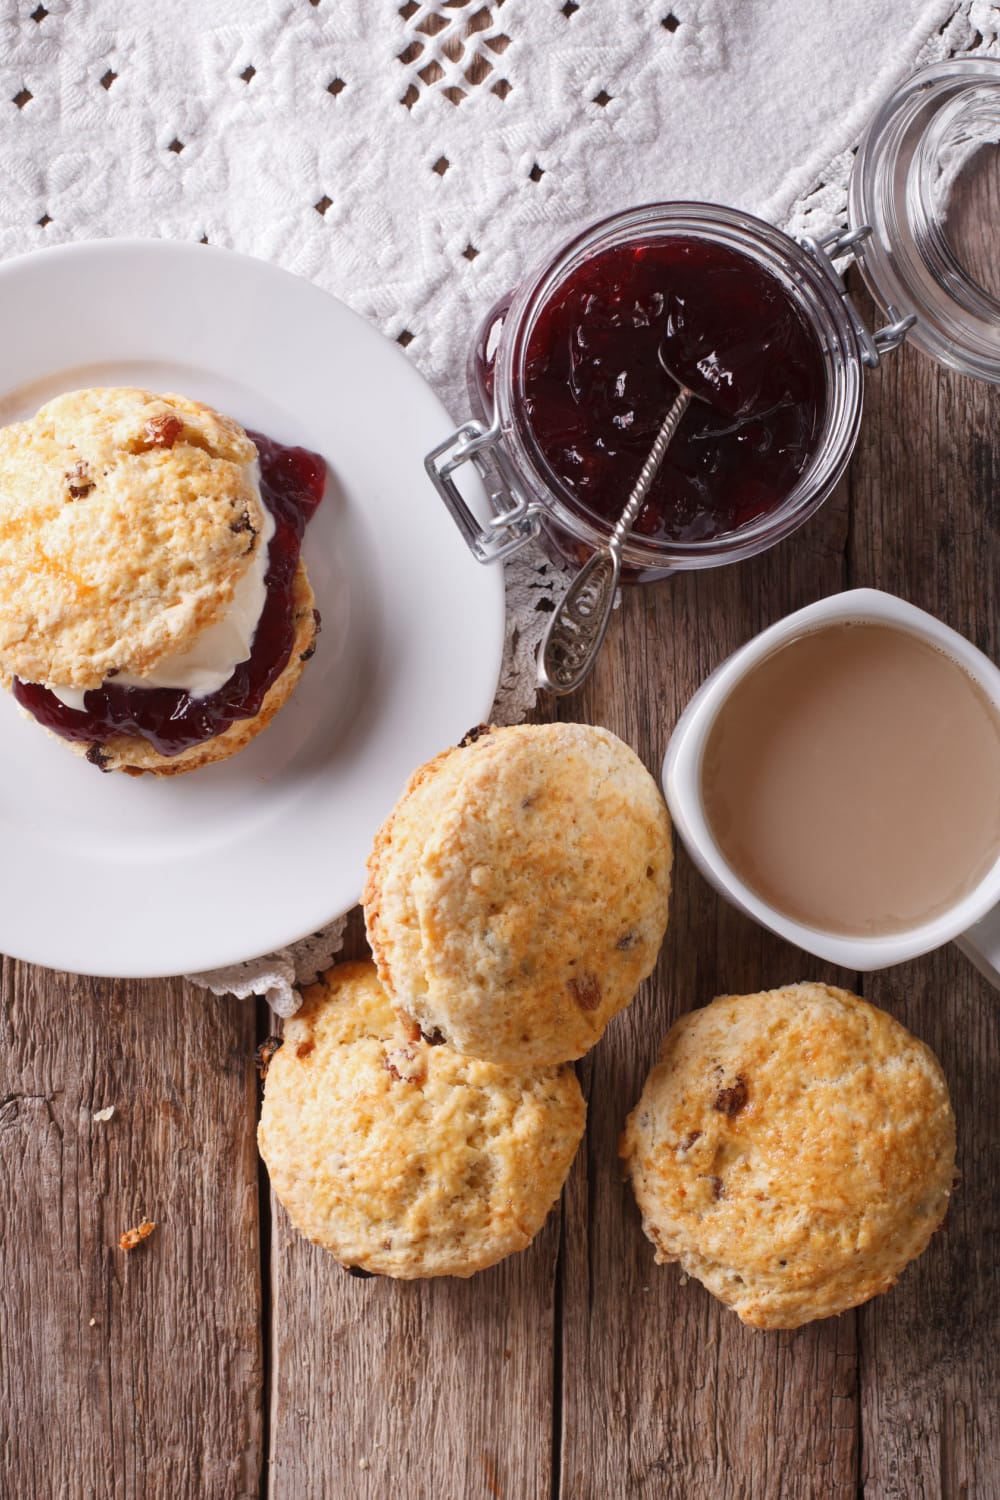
{"points": [[579, 622]]}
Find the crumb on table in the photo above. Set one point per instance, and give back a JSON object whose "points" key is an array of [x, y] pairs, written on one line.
{"points": [[264, 1053], [133, 1237]]}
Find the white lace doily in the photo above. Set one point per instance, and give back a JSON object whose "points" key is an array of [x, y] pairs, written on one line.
{"points": [[416, 157]]}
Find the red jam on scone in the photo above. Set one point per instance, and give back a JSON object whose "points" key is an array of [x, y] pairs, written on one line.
{"points": [[154, 607]]}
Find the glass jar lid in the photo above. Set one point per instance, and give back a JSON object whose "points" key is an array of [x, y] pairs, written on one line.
{"points": [[927, 181]]}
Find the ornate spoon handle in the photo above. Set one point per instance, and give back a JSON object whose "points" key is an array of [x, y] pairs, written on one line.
{"points": [[580, 621]]}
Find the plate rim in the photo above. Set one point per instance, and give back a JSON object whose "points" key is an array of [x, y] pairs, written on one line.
{"points": [[113, 247]]}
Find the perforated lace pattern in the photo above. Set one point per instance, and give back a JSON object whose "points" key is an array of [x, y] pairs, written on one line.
{"points": [[415, 159], [972, 30]]}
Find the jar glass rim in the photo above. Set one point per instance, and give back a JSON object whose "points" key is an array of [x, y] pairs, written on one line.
{"points": [[916, 146], [815, 294]]}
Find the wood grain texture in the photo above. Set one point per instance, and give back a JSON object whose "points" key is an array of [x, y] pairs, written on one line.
{"points": [[139, 1374], [926, 501], [433, 1390], [423, 1390], [579, 1370], [664, 1392], [972, 224]]}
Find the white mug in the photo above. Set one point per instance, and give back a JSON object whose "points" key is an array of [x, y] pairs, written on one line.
{"points": [[973, 922]]}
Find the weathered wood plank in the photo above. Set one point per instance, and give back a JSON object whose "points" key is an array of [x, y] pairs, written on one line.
{"points": [[664, 1392], [423, 1390], [127, 1375], [438, 1390], [446, 1389], [926, 495]]}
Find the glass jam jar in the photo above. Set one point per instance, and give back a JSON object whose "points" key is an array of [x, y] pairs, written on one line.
{"points": [[757, 323]]}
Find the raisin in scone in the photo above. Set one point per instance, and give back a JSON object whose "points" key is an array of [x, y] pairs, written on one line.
{"points": [[155, 611], [794, 1150], [401, 1158], [517, 895]]}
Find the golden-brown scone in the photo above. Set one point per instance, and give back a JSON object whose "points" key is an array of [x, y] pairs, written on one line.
{"points": [[126, 521], [794, 1150], [134, 755], [401, 1158], [517, 895]]}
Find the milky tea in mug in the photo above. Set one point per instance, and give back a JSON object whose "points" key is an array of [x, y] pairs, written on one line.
{"points": [[852, 780]]}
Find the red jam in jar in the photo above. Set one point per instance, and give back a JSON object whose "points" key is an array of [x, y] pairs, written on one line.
{"points": [[595, 391], [291, 486]]}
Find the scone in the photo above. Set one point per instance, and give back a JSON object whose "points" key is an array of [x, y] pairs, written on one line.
{"points": [[155, 611], [401, 1158], [794, 1150], [517, 895]]}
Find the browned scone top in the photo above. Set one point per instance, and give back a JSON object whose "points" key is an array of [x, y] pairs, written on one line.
{"points": [[402, 1158], [127, 519], [517, 895], [793, 1149]]}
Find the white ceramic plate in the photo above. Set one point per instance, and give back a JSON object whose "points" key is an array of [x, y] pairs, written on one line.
{"points": [[109, 874]]}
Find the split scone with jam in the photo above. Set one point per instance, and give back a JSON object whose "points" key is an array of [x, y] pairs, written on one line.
{"points": [[155, 611], [517, 895], [794, 1151], [405, 1159]]}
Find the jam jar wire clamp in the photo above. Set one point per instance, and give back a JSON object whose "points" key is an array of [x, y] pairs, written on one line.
{"points": [[515, 520], [845, 243]]}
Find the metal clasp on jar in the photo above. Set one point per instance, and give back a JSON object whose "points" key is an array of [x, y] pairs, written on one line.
{"points": [[846, 242], [515, 521]]}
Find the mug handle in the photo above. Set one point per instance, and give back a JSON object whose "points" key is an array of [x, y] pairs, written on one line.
{"points": [[981, 945]]}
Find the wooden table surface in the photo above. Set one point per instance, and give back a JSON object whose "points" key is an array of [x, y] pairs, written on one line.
{"points": [[229, 1358]]}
